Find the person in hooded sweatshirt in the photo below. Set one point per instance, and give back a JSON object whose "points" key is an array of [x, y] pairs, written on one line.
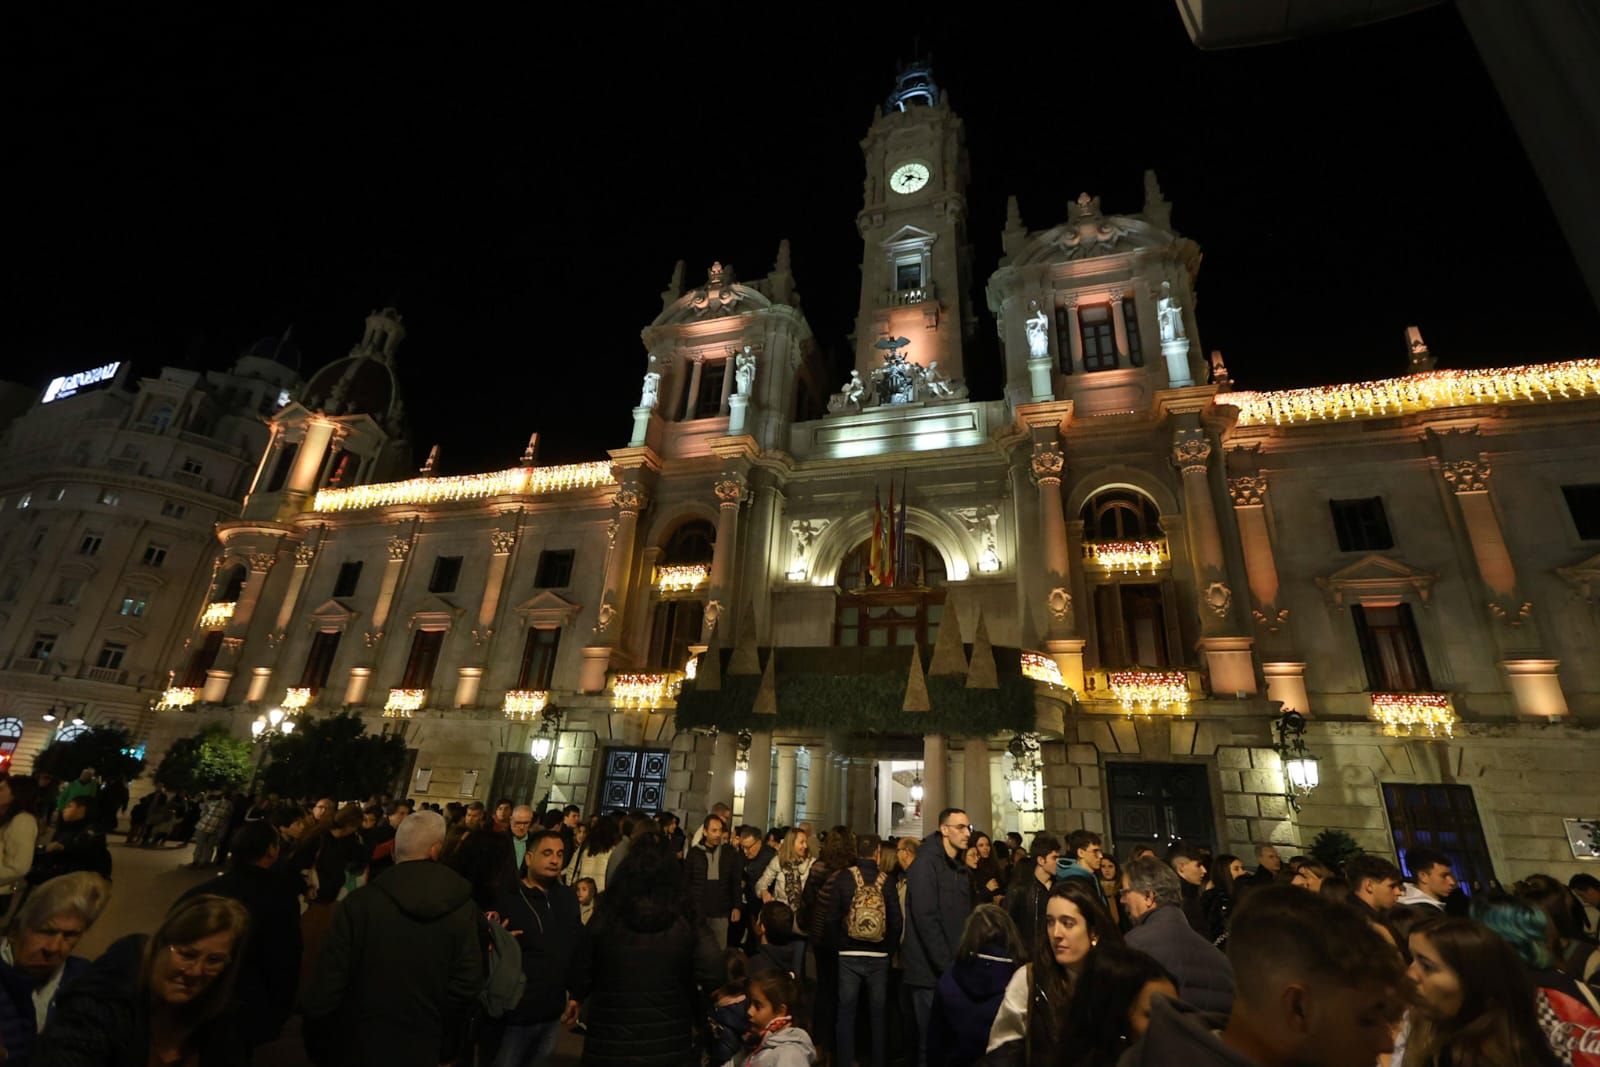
{"points": [[1081, 859], [402, 964], [968, 994], [1318, 986]]}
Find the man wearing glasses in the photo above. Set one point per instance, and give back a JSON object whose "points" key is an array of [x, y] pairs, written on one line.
{"points": [[938, 898]]}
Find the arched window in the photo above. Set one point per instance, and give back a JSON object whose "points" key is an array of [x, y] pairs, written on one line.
{"points": [[1120, 515], [161, 418], [10, 736], [230, 583], [678, 620], [690, 543], [72, 731], [884, 615]]}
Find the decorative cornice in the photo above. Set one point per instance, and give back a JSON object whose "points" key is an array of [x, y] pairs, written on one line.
{"points": [[1191, 451], [501, 542], [1247, 490], [731, 489], [1047, 463], [1467, 475], [399, 547]]}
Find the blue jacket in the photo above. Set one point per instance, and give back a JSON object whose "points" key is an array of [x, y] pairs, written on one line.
{"points": [[18, 1023], [1071, 868], [938, 898], [964, 1006]]}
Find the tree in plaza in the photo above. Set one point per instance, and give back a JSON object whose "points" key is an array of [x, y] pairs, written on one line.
{"points": [[108, 749], [1334, 848], [211, 759], [333, 756]]}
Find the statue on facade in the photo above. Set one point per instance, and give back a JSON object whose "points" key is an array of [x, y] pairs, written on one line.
{"points": [[1038, 335], [744, 371], [652, 390], [1169, 314], [1219, 369], [895, 382], [937, 384]]}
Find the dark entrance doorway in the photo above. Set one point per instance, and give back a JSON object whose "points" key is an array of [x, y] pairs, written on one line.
{"points": [[516, 776], [1159, 803]]}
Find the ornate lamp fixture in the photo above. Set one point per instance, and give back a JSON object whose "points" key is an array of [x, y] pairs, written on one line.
{"points": [[1300, 768], [1023, 776], [543, 745], [275, 723], [741, 766], [917, 791]]}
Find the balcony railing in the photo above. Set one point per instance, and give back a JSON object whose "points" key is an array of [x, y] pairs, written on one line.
{"points": [[109, 675], [216, 615], [645, 690], [524, 705], [896, 298], [190, 478], [682, 578], [1403, 714], [29, 666], [1042, 668], [403, 703], [1127, 557], [297, 698], [1144, 690], [178, 697]]}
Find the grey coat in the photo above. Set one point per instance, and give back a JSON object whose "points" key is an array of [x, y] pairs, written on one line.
{"points": [[1205, 977]]}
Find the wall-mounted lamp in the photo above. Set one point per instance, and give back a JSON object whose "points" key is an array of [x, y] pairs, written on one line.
{"points": [[1301, 773]]}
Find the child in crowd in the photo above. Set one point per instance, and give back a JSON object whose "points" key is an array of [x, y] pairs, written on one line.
{"points": [[729, 1017], [779, 948], [584, 887], [774, 1037]]}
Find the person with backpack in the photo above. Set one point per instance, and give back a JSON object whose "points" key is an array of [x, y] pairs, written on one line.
{"points": [[543, 916], [865, 915]]}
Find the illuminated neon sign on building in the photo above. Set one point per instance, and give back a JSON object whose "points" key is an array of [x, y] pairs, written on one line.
{"points": [[71, 384]]}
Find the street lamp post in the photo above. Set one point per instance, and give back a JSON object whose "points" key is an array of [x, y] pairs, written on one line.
{"points": [[266, 728]]}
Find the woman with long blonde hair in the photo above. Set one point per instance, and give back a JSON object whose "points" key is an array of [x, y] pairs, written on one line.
{"points": [[785, 877]]}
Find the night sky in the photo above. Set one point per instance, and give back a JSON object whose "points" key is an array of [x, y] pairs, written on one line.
{"points": [[521, 190]]}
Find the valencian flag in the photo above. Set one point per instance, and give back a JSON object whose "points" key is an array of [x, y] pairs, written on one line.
{"points": [[875, 551], [904, 573]]}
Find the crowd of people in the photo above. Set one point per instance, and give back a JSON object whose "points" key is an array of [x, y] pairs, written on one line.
{"points": [[390, 933]]}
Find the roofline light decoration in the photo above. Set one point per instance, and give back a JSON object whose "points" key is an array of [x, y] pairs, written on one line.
{"points": [[216, 615], [645, 690], [1405, 713], [1146, 690], [524, 705], [1418, 392], [1126, 556], [403, 703], [179, 696], [682, 577], [296, 698], [1042, 668], [518, 481]]}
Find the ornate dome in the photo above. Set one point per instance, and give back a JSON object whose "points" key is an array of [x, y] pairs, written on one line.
{"points": [[357, 384]]}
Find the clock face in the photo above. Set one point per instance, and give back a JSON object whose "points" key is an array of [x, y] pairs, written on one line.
{"points": [[909, 177]]}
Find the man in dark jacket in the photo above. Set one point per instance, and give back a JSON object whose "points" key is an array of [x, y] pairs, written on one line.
{"points": [[714, 879], [938, 898], [755, 855], [863, 961], [36, 957], [76, 845], [1027, 897], [1317, 985], [1375, 885], [269, 967], [402, 964], [1153, 901], [543, 914]]}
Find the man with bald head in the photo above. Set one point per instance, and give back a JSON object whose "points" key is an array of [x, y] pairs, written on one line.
{"points": [[402, 966]]}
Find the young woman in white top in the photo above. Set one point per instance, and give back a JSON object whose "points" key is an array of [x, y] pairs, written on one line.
{"points": [[19, 832], [785, 876]]}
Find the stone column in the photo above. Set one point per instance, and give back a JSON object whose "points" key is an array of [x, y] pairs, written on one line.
{"points": [[863, 796], [758, 787], [501, 542], [935, 791], [304, 556], [1074, 336], [724, 761], [1119, 328], [1048, 463], [1469, 481], [1227, 654], [260, 565], [783, 811], [399, 551], [692, 394], [975, 783], [302, 480], [731, 489], [628, 501], [1284, 673]]}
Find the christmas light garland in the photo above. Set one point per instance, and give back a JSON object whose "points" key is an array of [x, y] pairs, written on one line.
{"points": [[518, 481], [1126, 556], [644, 690], [1136, 690], [1041, 668], [296, 698], [1418, 392], [682, 577], [178, 697], [524, 705], [1402, 713], [402, 703], [216, 615]]}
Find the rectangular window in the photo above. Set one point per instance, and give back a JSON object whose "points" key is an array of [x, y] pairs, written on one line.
{"points": [[1443, 818], [908, 274], [109, 497], [1583, 502], [1130, 319], [425, 646], [110, 656], [676, 626], [204, 657], [154, 555], [44, 645], [1391, 649], [192, 465], [1361, 525], [555, 569], [24, 500], [708, 402], [1099, 339], [281, 469], [446, 572], [319, 660], [173, 510], [1063, 335], [539, 659], [1131, 625], [349, 577], [133, 604], [90, 545], [68, 591]]}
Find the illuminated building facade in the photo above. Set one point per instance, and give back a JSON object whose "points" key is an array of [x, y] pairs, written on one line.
{"points": [[110, 490], [1115, 576]]}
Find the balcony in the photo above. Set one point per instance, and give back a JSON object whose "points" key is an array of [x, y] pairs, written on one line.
{"points": [[645, 690], [108, 675], [682, 578], [1144, 690], [403, 703], [297, 699], [216, 615], [124, 464], [1127, 557], [899, 298], [1405, 714], [192, 480], [178, 697], [29, 666], [524, 705]]}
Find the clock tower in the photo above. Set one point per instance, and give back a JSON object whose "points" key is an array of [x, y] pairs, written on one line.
{"points": [[916, 266]]}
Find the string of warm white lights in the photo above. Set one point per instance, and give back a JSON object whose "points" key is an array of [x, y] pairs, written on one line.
{"points": [[403, 702], [682, 577], [1401, 713], [644, 690], [296, 698], [524, 705], [1136, 690], [177, 697], [1418, 392], [518, 481], [1041, 668], [216, 615], [1125, 556]]}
